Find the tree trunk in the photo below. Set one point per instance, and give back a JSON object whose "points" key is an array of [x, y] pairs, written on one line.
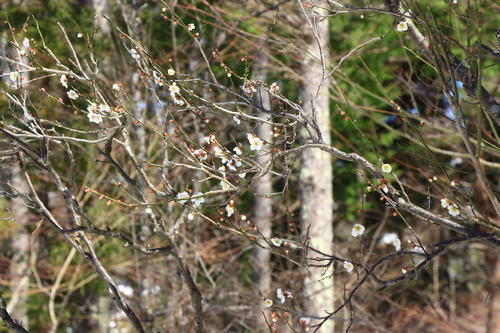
{"points": [[263, 209], [316, 174]]}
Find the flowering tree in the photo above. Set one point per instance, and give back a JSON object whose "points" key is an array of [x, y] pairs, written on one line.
{"points": [[140, 159]]}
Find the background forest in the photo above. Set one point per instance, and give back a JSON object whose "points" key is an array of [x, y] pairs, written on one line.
{"points": [[249, 166]]}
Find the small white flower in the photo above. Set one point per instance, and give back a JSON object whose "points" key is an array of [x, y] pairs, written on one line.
{"points": [[191, 26], [456, 161], [276, 241], [237, 150], [388, 238], [72, 94], [274, 87], [268, 303], [237, 120], [148, 211], [198, 200], [182, 197], [134, 53], [190, 216], [248, 88], [402, 26], [225, 185], [397, 244], [64, 81], [385, 189], [229, 210], [157, 78], [13, 76], [445, 203], [305, 321], [453, 210], [255, 142], [94, 117], [357, 230], [26, 43], [116, 86], [171, 72], [201, 154], [386, 168], [177, 100], [92, 108], [79, 35], [232, 164], [174, 89], [104, 108], [348, 266], [242, 175], [282, 295], [209, 139]]}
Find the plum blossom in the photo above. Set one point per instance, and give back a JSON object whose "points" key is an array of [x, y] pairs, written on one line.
{"points": [[255, 142], [171, 72], [402, 26], [386, 168], [191, 26], [182, 197], [248, 88], [134, 54], [276, 241], [445, 203], [198, 199], [282, 295], [453, 210], [72, 94], [357, 230], [274, 87], [229, 210], [237, 150], [397, 244], [94, 117], [64, 81], [348, 266], [268, 303], [13, 76]]}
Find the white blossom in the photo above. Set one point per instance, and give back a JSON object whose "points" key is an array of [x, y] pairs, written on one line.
{"points": [[64, 81], [276, 241], [104, 108], [268, 303], [191, 26], [274, 87], [229, 210], [94, 117], [357, 230], [397, 244], [26, 43], [198, 199], [13, 76], [282, 295], [171, 72], [116, 86], [72, 94], [445, 203], [237, 150], [388, 238], [236, 120], [134, 53], [402, 26], [453, 210], [386, 168], [348, 266], [255, 142], [182, 197]]}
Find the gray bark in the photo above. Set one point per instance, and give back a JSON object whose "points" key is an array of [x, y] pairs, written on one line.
{"points": [[263, 203], [316, 174]]}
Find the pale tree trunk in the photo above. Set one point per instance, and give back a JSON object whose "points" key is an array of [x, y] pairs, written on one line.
{"points": [[316, 172], [20, 245], [263, 203]]}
